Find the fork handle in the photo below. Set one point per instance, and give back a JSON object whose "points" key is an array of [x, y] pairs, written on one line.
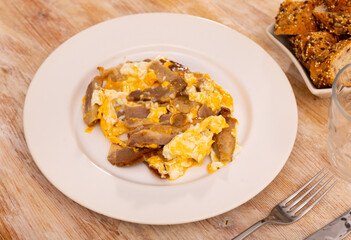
{"points": [[251, 229]]}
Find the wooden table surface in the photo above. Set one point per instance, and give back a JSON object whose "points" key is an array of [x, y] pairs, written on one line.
{"points": [[32, 208]]}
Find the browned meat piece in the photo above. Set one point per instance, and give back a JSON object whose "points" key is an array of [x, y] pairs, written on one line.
{"points": [[165, 117], [178, 119], [204, 111], [123, 157], [113, 74], [149, 138], [120, 113], [135, 95], [159, 93], [225, 112], [177, 67], [162, 73], [183, 104], [224, 144], [136, 112], [137, 123], [154, 94], [91, 112], [145, 126], [176, 86], [156, 135], [176, 127]]}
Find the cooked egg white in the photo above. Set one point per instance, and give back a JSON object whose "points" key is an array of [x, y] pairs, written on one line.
{"points": [[196, 141], [178, 166], [210, 93], [109, 123], [136, 69], [189, 148]]}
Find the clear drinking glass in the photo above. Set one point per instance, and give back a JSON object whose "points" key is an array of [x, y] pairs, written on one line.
{"points": [[339, 124]]}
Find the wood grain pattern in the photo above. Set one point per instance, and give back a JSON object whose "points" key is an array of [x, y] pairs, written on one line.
{"points": [[32, 208]]}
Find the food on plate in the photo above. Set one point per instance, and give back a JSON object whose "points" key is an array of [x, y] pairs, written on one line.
{"points": [[160, 113], [324, 48]]}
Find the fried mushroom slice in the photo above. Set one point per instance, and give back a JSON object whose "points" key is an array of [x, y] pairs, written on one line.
{"points": [[224, 142], [124, 156], [182, 104], [91, 112], [135, 123], [152, 138]]}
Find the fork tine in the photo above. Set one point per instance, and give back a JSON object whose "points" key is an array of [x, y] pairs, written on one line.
{"points": [[307, 192], [300, 189], [314, 194], [318, 199]]}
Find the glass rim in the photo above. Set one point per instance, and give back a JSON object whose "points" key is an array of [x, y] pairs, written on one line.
{"points": [[336, 100]]}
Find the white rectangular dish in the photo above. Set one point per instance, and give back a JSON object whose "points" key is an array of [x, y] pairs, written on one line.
{"points": [[282, 42]]}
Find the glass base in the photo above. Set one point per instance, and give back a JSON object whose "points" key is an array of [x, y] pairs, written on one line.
{"points": [[340, 168]]}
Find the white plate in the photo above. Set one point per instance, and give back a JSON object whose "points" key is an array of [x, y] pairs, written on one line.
{"points": [[283, 43], [75, 162]]}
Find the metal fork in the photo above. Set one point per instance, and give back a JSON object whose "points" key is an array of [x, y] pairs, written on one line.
{"points": [[285, 213]]}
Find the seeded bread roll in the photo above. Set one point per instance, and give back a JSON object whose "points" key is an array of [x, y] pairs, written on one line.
{"points": [[295, 17], [339, 5], [307, 47], [335, 22], [324, 69]]}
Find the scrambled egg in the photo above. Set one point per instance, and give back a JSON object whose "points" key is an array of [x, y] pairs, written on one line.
{"points": [[195, 142], [156, 113], [171, 169], [210, 93], [190, 148], [185, 150]]}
